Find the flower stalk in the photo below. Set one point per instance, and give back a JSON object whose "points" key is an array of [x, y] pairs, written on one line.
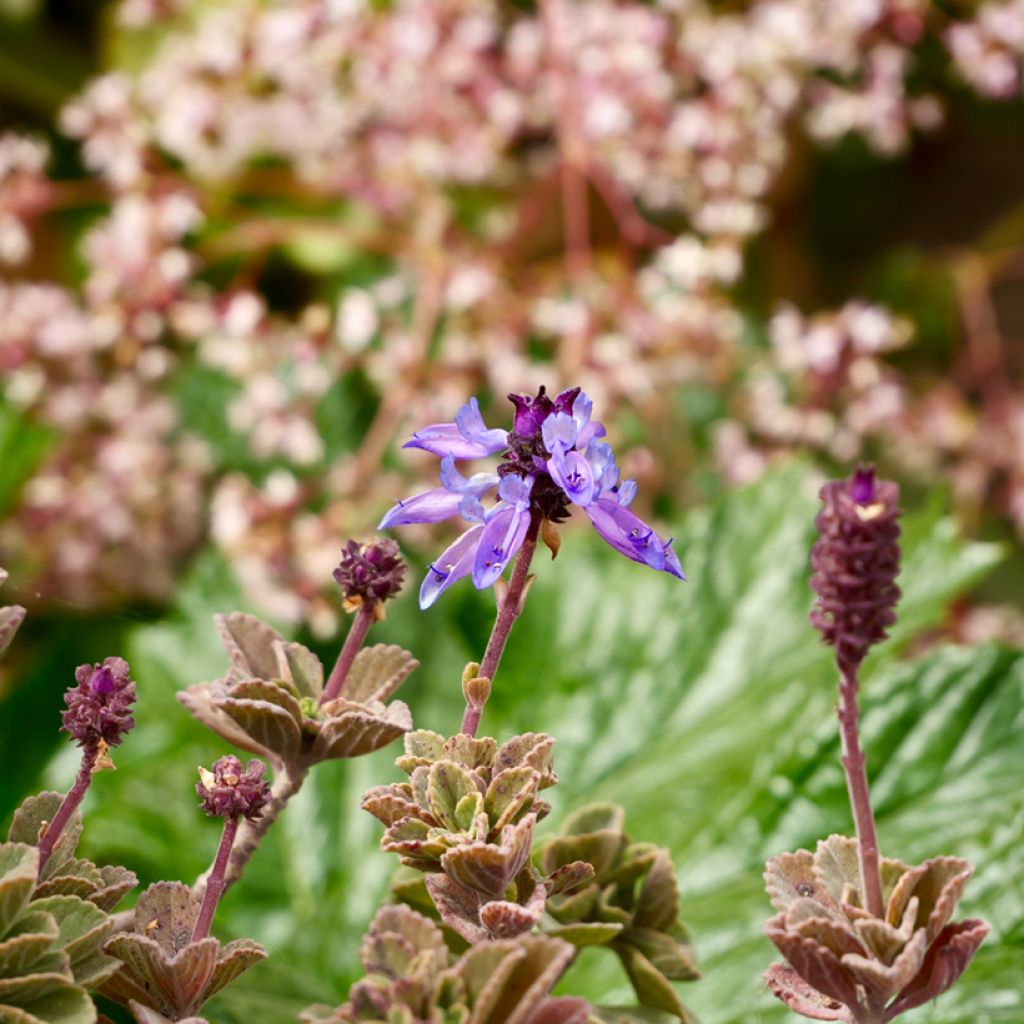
{"points": [[509, 608], [70, 804], [215, 883], [855, 769], [365, 617], [856, 561]]}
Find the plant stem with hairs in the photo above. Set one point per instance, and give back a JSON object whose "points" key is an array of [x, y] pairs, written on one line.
{"points": [[855, 769], [216, 883], [69, 805], [364, 619], [509, 608]]}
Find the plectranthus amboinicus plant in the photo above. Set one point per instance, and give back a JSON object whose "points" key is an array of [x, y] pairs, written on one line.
{"points": [[97, 717], [866, 937], [553, 457]]}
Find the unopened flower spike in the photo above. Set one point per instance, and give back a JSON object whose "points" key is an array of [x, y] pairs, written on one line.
{"points": [[98, 716], [866, 937], [230, 792], [369, 575]]}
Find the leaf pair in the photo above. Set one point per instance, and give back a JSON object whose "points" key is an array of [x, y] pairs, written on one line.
{"points": [[164, 974], [269, 701]]}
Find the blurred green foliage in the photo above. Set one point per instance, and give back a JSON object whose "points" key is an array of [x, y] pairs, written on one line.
{"points": [[704, 708]]}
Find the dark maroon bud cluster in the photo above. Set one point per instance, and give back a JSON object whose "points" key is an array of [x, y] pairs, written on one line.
{"points": [[229, 791], [371, 572], [99, 707], [855, 563]]}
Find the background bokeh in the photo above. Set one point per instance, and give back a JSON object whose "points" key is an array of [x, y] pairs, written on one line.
{"points": [[246, 247]]}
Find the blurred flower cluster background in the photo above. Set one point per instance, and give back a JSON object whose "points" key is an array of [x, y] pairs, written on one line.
{"points": [[247, 246]]}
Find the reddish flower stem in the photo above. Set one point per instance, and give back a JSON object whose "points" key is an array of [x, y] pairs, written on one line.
{"points": [[855, 767], [509, 609], [215, 884], [353, 642], [68, 806]]}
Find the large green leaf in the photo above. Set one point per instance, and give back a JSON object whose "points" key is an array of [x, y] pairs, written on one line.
{"points": [[705, 708]]}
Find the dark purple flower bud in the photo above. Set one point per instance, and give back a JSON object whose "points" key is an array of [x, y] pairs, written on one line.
{"points": [[231, 792], [100, 706], [855, 563], [371, 572], [533, 410]]}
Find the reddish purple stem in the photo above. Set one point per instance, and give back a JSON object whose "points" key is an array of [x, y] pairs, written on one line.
{"points": [[855, 767], [508, 611], [68, 806], [215, 884], [353, 642]]}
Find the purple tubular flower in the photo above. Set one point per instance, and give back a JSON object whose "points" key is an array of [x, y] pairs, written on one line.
{"points": [[100, 706], [451, 565], [503, 535], [552, 458], [466, 438], [631, 536], [441, 502]]}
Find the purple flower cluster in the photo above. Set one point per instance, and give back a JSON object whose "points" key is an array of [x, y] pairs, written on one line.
{"points": [[553, 457], [230, 791], [99, 708]]}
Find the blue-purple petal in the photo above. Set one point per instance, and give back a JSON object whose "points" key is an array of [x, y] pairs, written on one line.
{"points": [[470, 424], [631, 536], [450, 566], [558, 431], [516, 490], [502, 538], [575, 475], [445, 439], [427, 507], [477, 485]]}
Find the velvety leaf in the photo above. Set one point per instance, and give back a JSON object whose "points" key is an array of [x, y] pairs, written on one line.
{"points": [[199, 702], [658, 904], [563, 1010], [26, 941], [166, 912], [488, 868], [378, 672], [587, 933], [29, 819], [569, 878], [665, 954], [449, 783], [815, 963], [652, 988], [116, 882], [947, 959], [64, 1004], [458, 906], [800, 997], [234, 960], [305, 670], [508, 794], [273, 728], [250, 644], [356, 733], [19, 864]]}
